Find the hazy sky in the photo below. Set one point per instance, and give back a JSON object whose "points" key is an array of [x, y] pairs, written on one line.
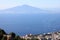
{"points": [[36, 3]]}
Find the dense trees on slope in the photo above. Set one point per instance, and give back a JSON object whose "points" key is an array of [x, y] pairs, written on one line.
{"points": [[2, 32], [12, 36]]}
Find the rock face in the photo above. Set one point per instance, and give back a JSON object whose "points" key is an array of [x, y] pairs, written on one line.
{"points": [[23, 9]]}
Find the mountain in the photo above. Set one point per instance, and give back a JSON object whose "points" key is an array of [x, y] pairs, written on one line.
{"points": [[24, 9], [29, 23]]}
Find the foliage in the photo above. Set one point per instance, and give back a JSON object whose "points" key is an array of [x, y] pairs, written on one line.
{"points": [[18, 38], [4, 38], [2, 32], [34, 39], [12, 34]]}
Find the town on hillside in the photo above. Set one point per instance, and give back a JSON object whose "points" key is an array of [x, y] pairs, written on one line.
{"points": [[44, 36]]}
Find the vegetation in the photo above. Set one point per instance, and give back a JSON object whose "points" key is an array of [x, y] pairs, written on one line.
{"points": [[4, 38], [2, 32], [13, 36]]}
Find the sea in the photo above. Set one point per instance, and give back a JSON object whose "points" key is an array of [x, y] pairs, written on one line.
{"points": [[22, 24]]}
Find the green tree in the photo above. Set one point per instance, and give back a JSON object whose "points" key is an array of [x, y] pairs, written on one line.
{"points": [[18, 38], [34, 39], [4, 38], [2, 32], [12, 34]]}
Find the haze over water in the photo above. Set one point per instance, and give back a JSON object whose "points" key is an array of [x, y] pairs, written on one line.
{"points": [[25, 17]]}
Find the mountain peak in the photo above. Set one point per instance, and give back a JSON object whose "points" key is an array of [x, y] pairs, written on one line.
{"points": [[26, 6], [24, 9]]}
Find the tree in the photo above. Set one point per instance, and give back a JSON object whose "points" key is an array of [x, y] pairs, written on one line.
{"points": [[18, 38], [4, 38], [34, 39], [2, 32], [12, 34]]}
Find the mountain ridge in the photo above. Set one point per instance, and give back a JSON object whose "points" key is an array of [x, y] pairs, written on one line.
{"points": [[24, 9]]}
